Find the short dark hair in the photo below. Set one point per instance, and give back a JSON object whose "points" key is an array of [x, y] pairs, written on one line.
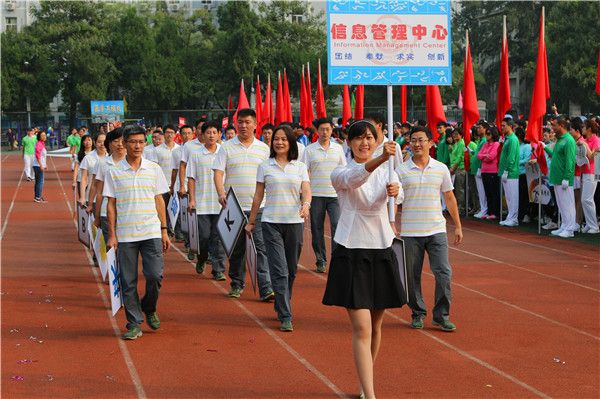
{"points": [[171, 126], [267, 126], [493, 130], [132, 130], [111, 136], [406, 125], [213, 124], [520, 133], [39, 134], [360, 127], [291, 138], [185, 127], [510, 122], [242, 113], [322, 121], [423, 129], [198, 121], [564, 123], [441, 123], [577, 124], [230, 127], [159, 131], [375, 117]]}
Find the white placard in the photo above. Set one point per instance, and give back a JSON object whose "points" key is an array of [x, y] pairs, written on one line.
{"points": [[192, 229], [173, 209], [231, 222], [398, 248], [183, 214], [113, 281], [100, 251], [597, 167], [581, 158], [83, 232]]}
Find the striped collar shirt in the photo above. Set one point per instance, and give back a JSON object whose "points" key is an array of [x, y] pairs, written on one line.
{"points": [[189, 148], [103, 166], [134, 191], [240, 164], [422, 209], [199, 168], [282, 190], [320, 162], [164, 156]]}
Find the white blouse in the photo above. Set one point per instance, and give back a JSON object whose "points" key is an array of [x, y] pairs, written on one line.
{"points": [[364, 219]]}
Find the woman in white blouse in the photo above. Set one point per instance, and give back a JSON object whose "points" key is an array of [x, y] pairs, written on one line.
{"points": [[285, 180], [363, 275]]}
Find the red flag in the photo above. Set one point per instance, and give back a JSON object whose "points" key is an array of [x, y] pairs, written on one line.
{"points": [[258, 109], [229, 104], [321, 111], [470, 108], [310, 116], [541, 93], [242, 102], [598, 75], [303, 122], [359, 102], [503, 103], [287, 102], [434, 108], [403, 104], [267, 109], [346, 110], [280, 112]]}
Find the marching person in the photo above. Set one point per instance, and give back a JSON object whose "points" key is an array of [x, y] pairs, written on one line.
{"points": [[39, 166], [28, 143], [116, 150], [235, 166], [204, 199], [321, 158], [591, 130], [562, 176], [363, 275], [186, 133], [86, 168], [285, 181], [137, 225], [488, 155], [482, 127], [424, 227], [508, 170], [87, 146]]}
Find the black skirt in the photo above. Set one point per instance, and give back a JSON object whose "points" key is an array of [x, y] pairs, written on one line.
{"points": [[364, 279]]}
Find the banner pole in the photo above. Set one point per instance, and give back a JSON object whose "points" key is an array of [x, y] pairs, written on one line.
{"points": [[390, 126]]}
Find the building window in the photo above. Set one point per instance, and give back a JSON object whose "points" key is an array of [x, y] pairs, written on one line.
{"points": [[297, 18], [11, 23]]}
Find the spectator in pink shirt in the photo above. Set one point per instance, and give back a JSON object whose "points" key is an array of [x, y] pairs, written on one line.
{"points": [[39, 166], [489, 172], [590, 130]]}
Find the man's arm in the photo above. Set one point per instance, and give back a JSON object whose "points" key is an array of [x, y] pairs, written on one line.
{"points": [[111, 215], [452, 207], [182, 167], [220, 186], [162, 216]]}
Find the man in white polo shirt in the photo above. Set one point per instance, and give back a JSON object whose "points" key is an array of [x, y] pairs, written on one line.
{"points": [[235, 166], [424, 227], [203, 198], [137, 225], [321, 158]]}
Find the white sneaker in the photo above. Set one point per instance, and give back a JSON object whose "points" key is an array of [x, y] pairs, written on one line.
{"points": [[592, 231], [557, 232], [585, 229], [566, 234], [550, 226], [526, 219], [576, 228], [510, 224], [478, 215], [502, 222]]}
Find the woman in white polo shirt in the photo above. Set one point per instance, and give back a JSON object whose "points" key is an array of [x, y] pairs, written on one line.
{"points": [[285, 180], [363, 273]]}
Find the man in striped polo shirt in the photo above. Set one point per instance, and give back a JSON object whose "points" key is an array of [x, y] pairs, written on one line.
{"points": [[203, 198], [235, 166], [321, 158], [137, 224], [424, 227]]}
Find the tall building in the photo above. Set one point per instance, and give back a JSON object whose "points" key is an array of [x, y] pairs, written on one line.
{"points": [[16, 14]]}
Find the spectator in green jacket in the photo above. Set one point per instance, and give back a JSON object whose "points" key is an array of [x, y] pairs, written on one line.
{"points": [[562, 175], [508, 170], [457, 168], [442, 152]]}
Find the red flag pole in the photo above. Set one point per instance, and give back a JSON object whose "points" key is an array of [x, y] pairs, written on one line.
{"points": [[279, 111], [346, 111], [403, 104], [321, 111], [287, 102], [309, 114], [302, 100], [359, 102], [503, 103], [258, 106]]}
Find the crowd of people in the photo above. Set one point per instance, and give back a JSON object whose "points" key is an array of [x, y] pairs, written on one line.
{"points": [[285, 175]]}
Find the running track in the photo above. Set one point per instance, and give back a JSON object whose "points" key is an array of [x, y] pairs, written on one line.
{"points": [[526, 307]]}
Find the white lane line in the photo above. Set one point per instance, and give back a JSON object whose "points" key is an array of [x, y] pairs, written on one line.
{"points": [[456, 349], [135, 378], [531, 244], [525, 269], [277, 339], [10, 208], [6, 156]]}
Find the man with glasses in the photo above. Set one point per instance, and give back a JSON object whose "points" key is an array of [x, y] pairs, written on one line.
{"points": [[137, 225], [424, 227]]}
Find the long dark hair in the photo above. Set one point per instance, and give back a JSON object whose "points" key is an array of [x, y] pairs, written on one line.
{"points": [[291, 138], [81, 154]]}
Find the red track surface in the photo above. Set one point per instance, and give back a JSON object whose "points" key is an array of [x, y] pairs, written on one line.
{"points": [[526, 307]]}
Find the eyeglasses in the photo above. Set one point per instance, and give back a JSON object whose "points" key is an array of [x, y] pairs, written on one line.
{"points": [[419, 141]]}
